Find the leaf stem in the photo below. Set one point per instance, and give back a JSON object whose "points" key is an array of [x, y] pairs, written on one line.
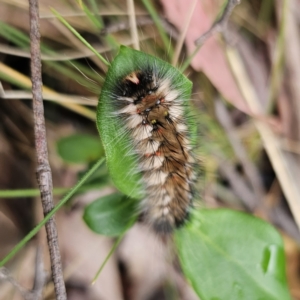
{"points": [[112, 250]]}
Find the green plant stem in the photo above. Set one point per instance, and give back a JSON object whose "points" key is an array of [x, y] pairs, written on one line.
{"points": [[189, 59], [157, 22], [34, 231], [36, 192], [112, 250], [29, 193], [77, 34]]}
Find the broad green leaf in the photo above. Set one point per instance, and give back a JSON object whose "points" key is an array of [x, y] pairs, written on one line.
{"points": [[121, 160], [80, 148], [232, 255], [111, 215]]}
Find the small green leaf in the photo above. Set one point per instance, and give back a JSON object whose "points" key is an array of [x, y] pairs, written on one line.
{"points": [[120, 157], [231, 255], [111, 215], [80, 148]]}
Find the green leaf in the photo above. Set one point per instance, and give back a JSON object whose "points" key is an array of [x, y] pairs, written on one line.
{"points": [[231, 255], [121, 161], [80, 148], [111, 215]]}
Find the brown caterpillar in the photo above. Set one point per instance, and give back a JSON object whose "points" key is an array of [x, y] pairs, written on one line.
{"points": [[153, 112]]}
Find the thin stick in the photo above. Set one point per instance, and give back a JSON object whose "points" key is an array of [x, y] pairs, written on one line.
{"points": [[221, 24], [4, 275], [44, 176], [40, 277], [133, 26], [249, 168], [183, 33]]}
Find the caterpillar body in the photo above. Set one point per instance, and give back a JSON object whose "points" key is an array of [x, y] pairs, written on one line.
{"points": [[144, 121]]}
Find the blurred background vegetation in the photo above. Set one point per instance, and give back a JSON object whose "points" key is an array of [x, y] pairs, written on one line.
{"points": [[246, 99]]}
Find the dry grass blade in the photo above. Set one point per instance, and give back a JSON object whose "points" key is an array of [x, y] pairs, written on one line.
{"points": [[182, 36], [71, 54], [24, 81], [282, 166], [109, 12], [133, 27], [50, 97], [292, 57]]}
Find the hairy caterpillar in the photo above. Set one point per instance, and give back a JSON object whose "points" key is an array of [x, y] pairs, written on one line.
{"points": [[144, 121]]}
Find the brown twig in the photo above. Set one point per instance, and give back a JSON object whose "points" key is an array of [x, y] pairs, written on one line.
{"points": [[221, 24], [237, 183], [40, 276], [5, 276], [140, 22], [44, 176], [40, 279], [249, 168]]}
